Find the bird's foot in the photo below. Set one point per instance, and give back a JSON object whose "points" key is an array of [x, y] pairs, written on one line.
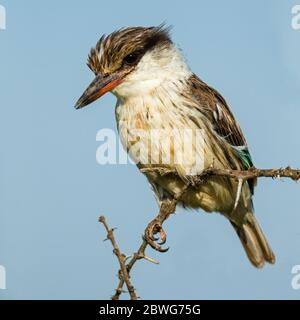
{"points": [[153, 228]]}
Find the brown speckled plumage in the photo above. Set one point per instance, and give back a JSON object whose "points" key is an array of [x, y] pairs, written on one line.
{"points": [[214, 106]]}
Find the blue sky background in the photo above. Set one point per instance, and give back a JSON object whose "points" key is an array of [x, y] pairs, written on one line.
{"points": [[52, 190]]}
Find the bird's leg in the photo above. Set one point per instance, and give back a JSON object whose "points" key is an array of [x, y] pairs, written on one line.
{"points": [[167, 207]]}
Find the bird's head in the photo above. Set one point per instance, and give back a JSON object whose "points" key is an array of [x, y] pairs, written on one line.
{"points": [[131, 61]]}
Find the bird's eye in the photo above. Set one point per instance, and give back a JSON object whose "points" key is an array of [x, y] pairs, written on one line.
{"points": [[131, 58]]}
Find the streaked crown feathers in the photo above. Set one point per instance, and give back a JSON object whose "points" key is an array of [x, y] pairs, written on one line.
{"points": [[131, 43]]}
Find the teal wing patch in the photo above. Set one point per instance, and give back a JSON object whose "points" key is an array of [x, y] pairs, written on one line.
{"points": [[245, 156]]}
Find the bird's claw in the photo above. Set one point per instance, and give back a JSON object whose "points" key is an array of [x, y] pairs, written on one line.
{"points": [[153, 228], [163, 236]]}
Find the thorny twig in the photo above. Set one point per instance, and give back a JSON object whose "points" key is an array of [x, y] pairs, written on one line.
{"points": [[253, 172], [123, 273], [168, 207]]}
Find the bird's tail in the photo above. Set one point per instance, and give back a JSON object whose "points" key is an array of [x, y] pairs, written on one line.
{"points": [[254, 242]]}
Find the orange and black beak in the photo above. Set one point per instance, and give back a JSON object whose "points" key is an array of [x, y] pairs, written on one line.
{"points": [[98, 88]]}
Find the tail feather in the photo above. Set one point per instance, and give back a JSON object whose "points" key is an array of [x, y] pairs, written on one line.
{"points": [[254, 242]]}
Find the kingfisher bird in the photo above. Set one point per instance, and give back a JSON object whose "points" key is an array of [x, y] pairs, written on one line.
{"points": [[156, 90]]}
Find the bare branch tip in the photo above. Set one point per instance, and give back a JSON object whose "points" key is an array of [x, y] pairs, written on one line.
{"points": [[102, 219]]}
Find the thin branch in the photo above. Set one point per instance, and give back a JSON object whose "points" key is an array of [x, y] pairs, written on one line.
{"points": [[253, 172], [138, 255], [168, 207], [123, 273]]}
